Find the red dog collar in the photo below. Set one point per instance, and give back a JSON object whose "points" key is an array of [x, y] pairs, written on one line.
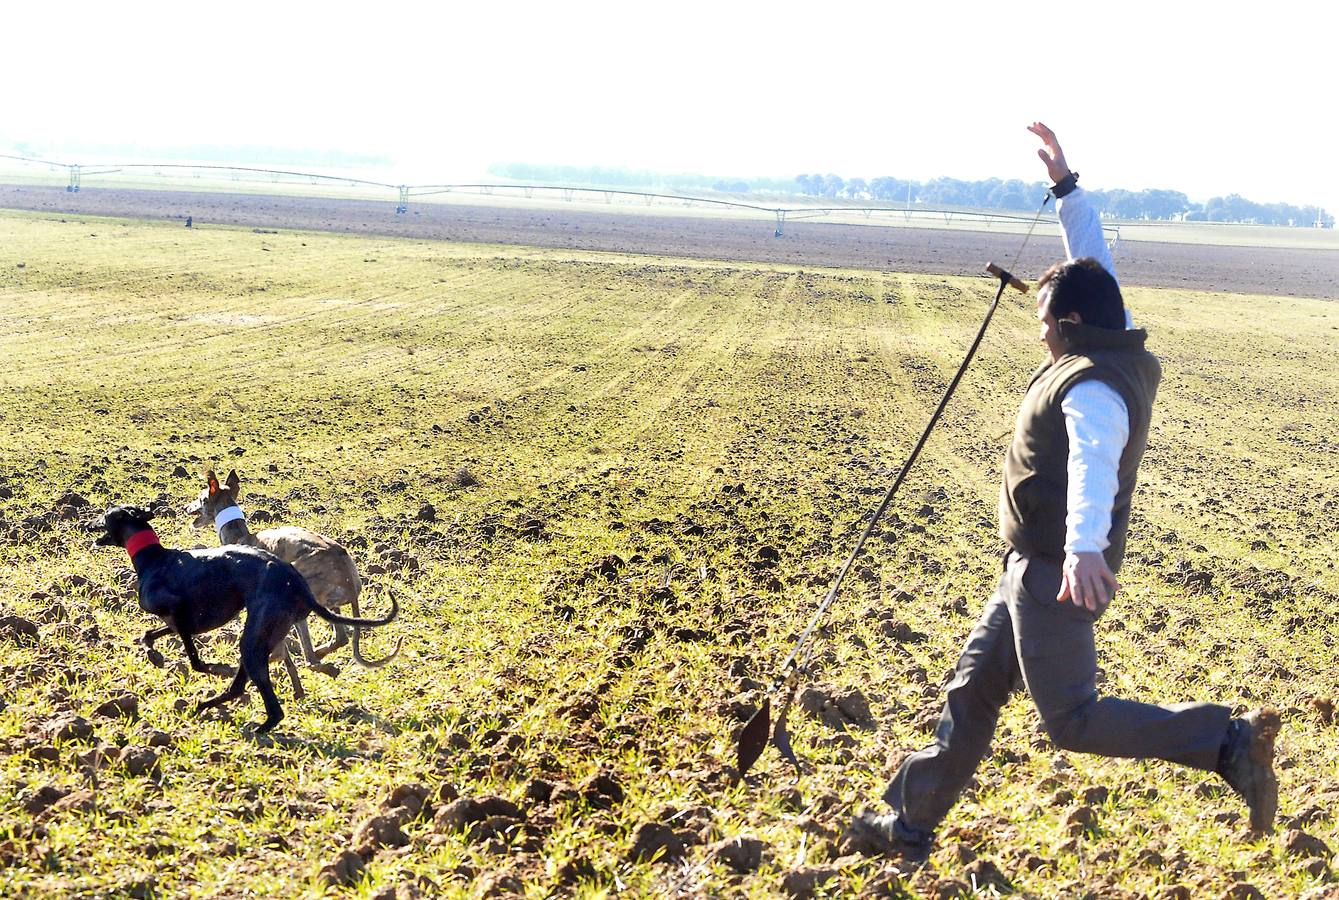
{"points": [[140, 540]]}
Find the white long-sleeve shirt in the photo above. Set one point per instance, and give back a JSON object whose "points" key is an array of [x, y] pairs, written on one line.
{"points": [[1096, 420]]}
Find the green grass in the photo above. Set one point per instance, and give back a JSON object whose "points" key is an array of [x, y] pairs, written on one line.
{"points": [[614, 399]]}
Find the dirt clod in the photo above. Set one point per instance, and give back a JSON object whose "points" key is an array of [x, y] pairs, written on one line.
{"points": [[1299, 843], [411, 797], [539, 791], [602, 790], [77, 801], [653, 842], [455, 816], [18, 630], [383, 830], [69, 728], [608, 568], [1080, 819], [805, 882], [346, 869], [743, 854], [97, 757], [122, 706], [43, 798], [837, 708], [576, 869], [502, 884], [493, 805], [53, 613], [460, 814], [900, 631], [984, 874], [140, 761], [46, 753]]}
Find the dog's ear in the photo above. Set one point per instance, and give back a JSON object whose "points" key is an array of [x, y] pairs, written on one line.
{"points": [[213, 482], [235, 483]]}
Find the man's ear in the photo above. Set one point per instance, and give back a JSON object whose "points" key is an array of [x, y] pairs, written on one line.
{"points": [[213, 482], [235, 483], [1074, 317]]}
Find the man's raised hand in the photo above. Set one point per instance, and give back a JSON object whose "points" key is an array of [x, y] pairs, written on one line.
{"points": [[1051, 154]]}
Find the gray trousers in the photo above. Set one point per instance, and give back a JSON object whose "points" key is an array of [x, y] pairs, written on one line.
{"points": [[1026, 639]]}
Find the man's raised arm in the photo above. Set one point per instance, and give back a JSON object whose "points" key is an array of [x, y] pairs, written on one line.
{"points": [[1080, 226]]}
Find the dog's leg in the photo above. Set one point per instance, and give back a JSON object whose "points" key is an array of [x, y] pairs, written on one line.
{"points": [[234, 690], [199, 665], [268, 622], [291, 668], [339, 640], [146, 642], [256, 662], [313, 656]]}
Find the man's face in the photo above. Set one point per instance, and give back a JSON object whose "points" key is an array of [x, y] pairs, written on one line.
{"points": [[1050, 331]]}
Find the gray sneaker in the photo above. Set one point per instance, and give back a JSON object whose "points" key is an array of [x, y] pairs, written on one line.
{"points": [[1248, 764], [885, 835]]}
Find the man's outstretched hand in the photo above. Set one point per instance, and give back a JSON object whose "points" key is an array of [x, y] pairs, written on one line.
{"points": [[1051, 154], [1088, 581]]}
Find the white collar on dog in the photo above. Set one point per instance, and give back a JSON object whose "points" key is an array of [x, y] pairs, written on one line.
{"points": [[226, 515]]}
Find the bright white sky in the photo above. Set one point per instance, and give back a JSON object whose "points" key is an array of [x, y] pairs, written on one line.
{"points": [[1204, 97]]}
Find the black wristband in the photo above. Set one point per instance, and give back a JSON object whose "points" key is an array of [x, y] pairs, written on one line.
{"points": [[1065, 185]]}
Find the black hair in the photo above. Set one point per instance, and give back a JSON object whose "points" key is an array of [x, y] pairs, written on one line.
{"points": [[1085, 287]]}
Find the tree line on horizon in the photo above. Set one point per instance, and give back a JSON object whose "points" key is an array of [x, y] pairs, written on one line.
{"points": [[990, 193]]}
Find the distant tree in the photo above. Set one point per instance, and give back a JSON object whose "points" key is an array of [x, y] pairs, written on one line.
{"points": [[831, 185], [885, 187], [949, 192], [1164, 204], [1124, 204], [987, 193], [1009, 194]]}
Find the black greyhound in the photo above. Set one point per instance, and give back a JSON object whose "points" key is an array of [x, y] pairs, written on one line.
{"points": [[195, 591]]}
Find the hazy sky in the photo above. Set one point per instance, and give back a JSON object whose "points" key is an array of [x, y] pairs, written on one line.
{"points": [[1208, 98]]}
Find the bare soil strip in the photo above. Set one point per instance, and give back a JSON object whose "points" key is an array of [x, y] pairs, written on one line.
{"points": [[1249, 270]]}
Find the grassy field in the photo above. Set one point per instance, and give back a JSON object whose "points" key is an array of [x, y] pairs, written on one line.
{"points": [[671, 460]]}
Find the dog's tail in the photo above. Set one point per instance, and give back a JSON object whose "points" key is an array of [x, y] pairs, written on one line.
{"points": [[329, 616], [358, 649]]}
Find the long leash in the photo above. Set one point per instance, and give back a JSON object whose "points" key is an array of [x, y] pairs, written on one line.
{"points": [[753, 737]]}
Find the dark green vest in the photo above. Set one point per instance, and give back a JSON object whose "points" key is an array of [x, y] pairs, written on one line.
{"points": [[1033, 499]]}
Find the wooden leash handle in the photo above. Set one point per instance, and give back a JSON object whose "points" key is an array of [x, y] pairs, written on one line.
{"points": [[1006, 277]]}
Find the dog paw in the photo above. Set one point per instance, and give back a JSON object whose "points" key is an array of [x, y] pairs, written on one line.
{"points": [[156, 658], [221, 670], [326, 669]]}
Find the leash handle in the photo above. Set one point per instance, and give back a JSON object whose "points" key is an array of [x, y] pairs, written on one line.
{"points": [[1004, 275]]}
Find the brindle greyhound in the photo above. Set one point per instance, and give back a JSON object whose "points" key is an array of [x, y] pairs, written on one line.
{"points": [[195, 591], [328, 568]]}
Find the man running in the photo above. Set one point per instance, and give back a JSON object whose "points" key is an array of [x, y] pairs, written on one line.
{"points": [[1069, 475]]}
